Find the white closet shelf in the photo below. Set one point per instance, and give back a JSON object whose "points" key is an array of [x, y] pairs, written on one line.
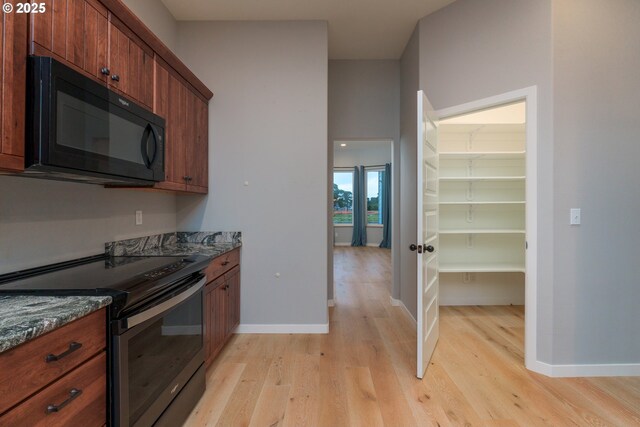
{"points": [[481, 268], [474, 155], [483, 231], [480, 178], [472, 202]]}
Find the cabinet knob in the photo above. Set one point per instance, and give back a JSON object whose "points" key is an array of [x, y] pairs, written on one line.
{"points": [[115, 78], [105, 71], [187, 178]]}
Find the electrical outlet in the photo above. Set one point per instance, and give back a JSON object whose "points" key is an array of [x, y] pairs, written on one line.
{"points": [[138, 217], [574, 216]]}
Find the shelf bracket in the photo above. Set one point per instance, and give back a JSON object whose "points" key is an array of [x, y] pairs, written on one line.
{"points": [[470, 191], [467, 277], [470, 168], [469, 240], [470, 214]]}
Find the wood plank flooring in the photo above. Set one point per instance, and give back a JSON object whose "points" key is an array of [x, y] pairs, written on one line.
{"points": [[362, 372]]}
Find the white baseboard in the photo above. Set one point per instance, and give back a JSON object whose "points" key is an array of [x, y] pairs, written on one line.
{"points": [[331, 303], [399, 303], [594, 370], [371, 245], [244, 328], [341, 244]]}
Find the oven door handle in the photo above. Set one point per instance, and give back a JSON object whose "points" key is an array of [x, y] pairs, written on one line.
{"points": [[164, 306]]}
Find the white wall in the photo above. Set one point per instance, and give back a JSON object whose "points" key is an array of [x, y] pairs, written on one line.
{"points": [[43, 221], [409, 85], [157, 17], [267, 127], [364, 103], [596, 105], [355, 154]]}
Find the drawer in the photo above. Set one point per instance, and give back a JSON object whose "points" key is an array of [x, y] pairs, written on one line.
{"points": [[86, 406], [223, 263], [25, 369]]}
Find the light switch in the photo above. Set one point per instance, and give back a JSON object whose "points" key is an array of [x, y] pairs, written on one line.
{"points": [[574, 216], [138, 217]]}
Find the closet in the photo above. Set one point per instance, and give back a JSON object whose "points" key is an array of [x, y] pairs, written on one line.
{"points": [[482, 208]]}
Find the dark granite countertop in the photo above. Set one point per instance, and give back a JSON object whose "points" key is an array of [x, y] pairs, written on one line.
{"points": [[211, 244], [184, 249], [25, 317]]}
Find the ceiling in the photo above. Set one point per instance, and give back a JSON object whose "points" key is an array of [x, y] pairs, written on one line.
{"points": [[358, 29]]}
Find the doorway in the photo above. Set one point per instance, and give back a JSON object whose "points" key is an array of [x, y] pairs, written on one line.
{"points": [[362, 200], [487, 206]]}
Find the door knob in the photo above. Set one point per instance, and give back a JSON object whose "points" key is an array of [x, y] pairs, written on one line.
{"points": [[412, 247], [429, 248]]}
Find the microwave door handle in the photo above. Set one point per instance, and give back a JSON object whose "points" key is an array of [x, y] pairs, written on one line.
{"points": [[144, 145], [155, 144]]}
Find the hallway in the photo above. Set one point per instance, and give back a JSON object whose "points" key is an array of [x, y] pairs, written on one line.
{"points": [[363, 372]]}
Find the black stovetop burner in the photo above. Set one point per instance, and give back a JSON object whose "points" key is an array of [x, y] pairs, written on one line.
{"points": [[128, 280]]}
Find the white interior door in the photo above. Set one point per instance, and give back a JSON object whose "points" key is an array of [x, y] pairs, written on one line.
{"points": [[427, 239]]}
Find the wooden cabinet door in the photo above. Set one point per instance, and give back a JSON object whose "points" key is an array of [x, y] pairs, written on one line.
{"points": [[208, 314], [13, 74], [74, 32], [177, 123], [130, 63], [219, 316], [140, 74], [198, 145], [96, 41], [232, 280]]}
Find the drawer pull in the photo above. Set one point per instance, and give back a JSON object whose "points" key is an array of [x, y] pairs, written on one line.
{"points": [[225, 263], [72, 347], [73, 393]]}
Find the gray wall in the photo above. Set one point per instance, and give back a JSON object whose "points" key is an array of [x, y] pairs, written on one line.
{"points": [[409, 85], [267, 127], [157, 17], [472, 50], [364, 103], [596, 105], [43, 221]]}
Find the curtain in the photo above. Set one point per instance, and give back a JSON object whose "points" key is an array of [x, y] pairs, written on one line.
{"points": [[359, 208], [385, 199]]}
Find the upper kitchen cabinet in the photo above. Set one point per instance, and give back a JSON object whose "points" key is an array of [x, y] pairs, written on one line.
{"points": [[104, 40], [13, 60], [186, 132], [84, 35]]}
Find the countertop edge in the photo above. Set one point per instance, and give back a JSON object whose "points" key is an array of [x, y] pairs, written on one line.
{"points": [[22, 332]]}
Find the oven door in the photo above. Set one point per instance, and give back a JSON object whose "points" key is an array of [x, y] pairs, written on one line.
{"points": [[156, 354]]}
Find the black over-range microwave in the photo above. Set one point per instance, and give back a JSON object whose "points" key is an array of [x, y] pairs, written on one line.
{"points": [[79, 130]]}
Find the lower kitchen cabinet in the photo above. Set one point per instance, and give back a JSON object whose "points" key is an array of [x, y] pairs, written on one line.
{"points": [[222, 310], [58, 378]]}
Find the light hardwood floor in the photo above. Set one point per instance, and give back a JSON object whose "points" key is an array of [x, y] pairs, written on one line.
{"points": [[362, 372]]}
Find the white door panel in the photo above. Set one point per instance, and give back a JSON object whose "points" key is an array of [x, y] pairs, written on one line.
{"points": [[427, 238]]}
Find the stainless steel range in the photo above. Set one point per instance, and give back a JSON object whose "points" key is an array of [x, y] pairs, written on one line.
{"points": [[156, 352]]}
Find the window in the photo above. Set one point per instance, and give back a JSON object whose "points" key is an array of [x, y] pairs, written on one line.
{"points": [[374, 196], [343, 197]]}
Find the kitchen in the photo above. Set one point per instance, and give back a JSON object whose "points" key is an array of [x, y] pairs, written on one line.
{"points": [[268, 123]]}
